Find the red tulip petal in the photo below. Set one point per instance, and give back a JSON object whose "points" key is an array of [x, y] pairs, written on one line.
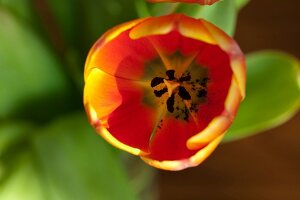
{"points": [[116, 104], [121, 56], [91, 61], [237, 60], [176, 165]]}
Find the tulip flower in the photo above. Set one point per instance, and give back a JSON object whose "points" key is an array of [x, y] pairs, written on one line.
{"points": [[202, 2], [164, 88]]}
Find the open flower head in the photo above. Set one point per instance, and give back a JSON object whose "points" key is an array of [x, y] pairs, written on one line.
{"points": [[202, 2], [164, 88]]}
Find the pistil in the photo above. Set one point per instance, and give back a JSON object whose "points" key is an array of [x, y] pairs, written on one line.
{"points": [[172, 86]]}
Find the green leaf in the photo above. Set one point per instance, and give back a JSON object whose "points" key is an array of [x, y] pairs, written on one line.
{"points": [[30, 78], [142, 8], [102, 15], [78, 164], [68, 17], [272, 96], [241, 3], [65, 160], [82, 22], [24, 183], [11, 133], [159, 9], [20, 8], [223, 14]]}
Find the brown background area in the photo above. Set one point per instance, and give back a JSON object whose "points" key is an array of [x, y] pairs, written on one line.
{"points": [[262, 167]]}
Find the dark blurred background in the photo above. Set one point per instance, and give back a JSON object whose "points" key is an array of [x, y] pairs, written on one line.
{"points": [[265, 166]]}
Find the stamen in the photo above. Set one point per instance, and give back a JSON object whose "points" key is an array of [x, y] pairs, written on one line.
{"points": [[174, 86], [170, 103], [159, 93], [185, 78], [156, 81], [170, 73], [183, 93]]}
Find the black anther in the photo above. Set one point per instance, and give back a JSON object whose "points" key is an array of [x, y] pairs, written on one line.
{"points": [[159, 93], [170, 73], [156, 81], [183, 93], [170, 103], [185, 78]]}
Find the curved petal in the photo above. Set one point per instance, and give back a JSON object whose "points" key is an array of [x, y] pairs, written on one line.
{"points": [[121, 56], [116, 104], [105, 38], [154, 26], [193, 161], [221, 123], [207, 32], [233, 99], [101, 96], [237, 58], [215, 128], [194, 28]]}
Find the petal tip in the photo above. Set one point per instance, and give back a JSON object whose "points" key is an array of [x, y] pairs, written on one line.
{"points": [[216, 127]]}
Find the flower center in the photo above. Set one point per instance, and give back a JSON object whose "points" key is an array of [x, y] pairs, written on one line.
{"points": [[182, 95], [171, 86]]}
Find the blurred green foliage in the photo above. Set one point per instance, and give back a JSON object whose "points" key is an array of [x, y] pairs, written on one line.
{"points": [[47, 148], [30, 69], [65, 160], [44, 155]]}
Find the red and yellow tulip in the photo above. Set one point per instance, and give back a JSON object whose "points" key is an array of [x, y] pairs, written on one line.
{"points": [[202, 2], [164, 88]]}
